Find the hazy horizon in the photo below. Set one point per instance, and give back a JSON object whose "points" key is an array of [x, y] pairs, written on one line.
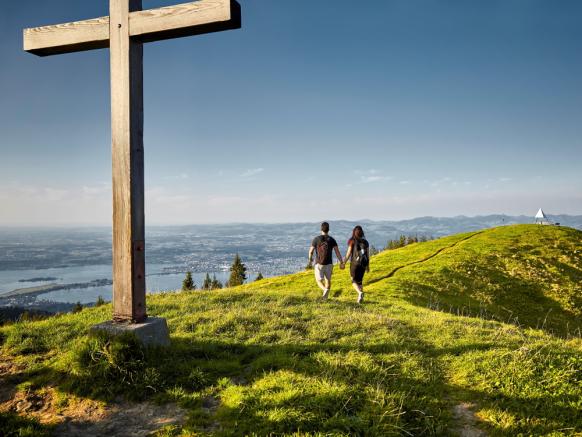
{"points": [[225, 223]]}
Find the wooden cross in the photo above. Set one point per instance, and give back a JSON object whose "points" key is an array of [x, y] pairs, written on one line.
{"points": [[124, 31]]}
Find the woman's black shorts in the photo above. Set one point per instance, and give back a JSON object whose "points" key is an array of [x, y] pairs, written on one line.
{"points": [[357, 272]]}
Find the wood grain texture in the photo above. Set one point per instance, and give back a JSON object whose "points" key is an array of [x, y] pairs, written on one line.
{"points": [[184, 19], [128, 166], [176, 21], [67, 37]]}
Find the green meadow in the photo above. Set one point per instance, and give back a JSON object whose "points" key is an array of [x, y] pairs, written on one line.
{"points": [[479, 332]]}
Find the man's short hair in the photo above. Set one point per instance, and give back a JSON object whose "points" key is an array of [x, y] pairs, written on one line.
{"points": [[325, 227]]}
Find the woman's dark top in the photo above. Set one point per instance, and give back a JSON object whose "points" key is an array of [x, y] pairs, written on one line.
{"points": [[357, 270]]}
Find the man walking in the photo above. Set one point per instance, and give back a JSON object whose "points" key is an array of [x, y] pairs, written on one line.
{"points": [[323, 246]]}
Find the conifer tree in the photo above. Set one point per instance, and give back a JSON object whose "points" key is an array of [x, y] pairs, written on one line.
{"points": [[237, 272], [100, 301], [78, 307], [215, 284], [259, 277], [188, 282], [207, 285]]}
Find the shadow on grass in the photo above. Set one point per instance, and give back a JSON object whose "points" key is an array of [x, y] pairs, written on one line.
{"points": [[552, 415], [13, 425], [490, 292], [394, 388], [283, 387]]}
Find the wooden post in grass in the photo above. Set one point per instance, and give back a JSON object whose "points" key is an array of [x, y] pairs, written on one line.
{"points": [[124, 31]]}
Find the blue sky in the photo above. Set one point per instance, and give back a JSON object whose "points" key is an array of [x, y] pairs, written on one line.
{"points": [[313, 110]]}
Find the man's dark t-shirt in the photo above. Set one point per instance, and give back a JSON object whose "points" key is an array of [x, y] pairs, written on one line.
{"points": [[331, 244]]}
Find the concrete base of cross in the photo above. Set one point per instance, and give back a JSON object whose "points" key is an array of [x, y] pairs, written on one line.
{"points": [[152, 332]]}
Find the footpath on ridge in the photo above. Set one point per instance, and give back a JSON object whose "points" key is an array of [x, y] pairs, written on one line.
{"points": [[423, 260]]}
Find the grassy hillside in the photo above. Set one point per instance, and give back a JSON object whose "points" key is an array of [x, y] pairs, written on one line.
{"points": [[479, 331]]}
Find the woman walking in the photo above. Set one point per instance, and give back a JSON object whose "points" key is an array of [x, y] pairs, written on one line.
{"points": [[359, 255]]}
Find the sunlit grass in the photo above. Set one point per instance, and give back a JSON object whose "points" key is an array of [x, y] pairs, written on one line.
{"points": [[463, 319]]}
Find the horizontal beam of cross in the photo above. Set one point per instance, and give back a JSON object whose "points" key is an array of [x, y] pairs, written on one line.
{"points": [[187, 19]]}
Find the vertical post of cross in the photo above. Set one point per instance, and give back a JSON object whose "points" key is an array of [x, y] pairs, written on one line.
{"points": [[128, 165]]}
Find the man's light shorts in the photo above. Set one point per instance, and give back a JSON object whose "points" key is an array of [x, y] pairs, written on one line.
{"points": [[323, 271]]}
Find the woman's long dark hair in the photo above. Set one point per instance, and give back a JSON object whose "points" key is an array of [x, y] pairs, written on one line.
{"points": [[357, 233]]}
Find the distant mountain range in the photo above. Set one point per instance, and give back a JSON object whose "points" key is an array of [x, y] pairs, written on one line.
{"points": [[275, 248]]}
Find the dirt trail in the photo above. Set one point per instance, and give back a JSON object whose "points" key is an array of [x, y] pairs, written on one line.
{"points": [[428, 258], [124, 419], [466, 421], [82, 417]]}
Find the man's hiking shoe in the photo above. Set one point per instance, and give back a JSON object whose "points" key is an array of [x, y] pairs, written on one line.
{"points": [[325, 294], [360, 297]]}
